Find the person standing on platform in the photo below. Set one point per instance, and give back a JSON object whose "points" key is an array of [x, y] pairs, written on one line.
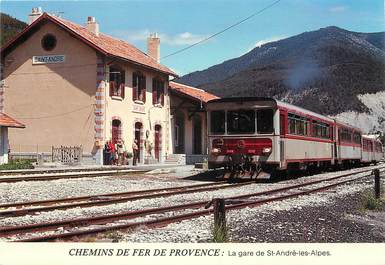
{"points": [[135, 151], [106, 153], [113, 153]]}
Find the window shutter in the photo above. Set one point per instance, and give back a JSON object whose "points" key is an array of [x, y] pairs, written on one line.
{"points": [[112, 88], [162, 96], [144, 88], [122, 88], [134, 87], [154, 91]]}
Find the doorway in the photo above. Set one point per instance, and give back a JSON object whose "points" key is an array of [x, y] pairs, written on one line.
{"points": [[197, 135], [116, 131], [157, 147], [137, 137]]}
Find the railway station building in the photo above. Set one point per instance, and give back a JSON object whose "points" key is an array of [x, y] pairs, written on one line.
{"points": [[72, 85]]}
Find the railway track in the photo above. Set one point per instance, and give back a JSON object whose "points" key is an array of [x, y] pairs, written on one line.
{"points": [[111, 198], [237, 202], [70, 175]]}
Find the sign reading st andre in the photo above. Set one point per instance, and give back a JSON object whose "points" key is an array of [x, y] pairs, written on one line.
{"points": [[48, 59]]}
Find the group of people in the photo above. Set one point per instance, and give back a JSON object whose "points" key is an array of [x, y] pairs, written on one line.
{"points": [[116, 154]]}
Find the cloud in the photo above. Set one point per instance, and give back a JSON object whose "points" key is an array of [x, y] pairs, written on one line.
{"points": [[184, 38], [337, 9]]}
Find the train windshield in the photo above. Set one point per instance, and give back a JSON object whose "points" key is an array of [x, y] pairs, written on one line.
{"points": [[240, 121], [217, 122], [265, 121]]}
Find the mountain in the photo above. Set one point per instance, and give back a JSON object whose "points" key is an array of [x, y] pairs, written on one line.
{"points": [[322, 70], [9, 27]]}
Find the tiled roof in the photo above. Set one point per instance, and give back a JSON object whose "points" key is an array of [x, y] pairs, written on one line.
{"points": [[193, 92], [103, 43], [7, 121]]}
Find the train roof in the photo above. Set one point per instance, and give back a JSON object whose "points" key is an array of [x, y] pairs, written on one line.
{"points": [[371, 136], [277, 103], [285, 105]]}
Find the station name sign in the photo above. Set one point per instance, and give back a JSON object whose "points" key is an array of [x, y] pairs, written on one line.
{"points": [[45, 59]]}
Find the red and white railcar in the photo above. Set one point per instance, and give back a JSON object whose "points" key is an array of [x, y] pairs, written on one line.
{"points": [[348, 144], [372, 151], [367, 156], [253, 134], [264, 133]]}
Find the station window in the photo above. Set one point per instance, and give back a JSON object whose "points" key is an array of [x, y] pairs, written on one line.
{"points": [[117, 81], [217, 122], [157, 91], [265, 121], [48, 42], [138, 87], [297, 125], [241, 121]]}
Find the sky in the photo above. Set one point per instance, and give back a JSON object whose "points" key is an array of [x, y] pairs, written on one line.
{"points": [[180, 23]]}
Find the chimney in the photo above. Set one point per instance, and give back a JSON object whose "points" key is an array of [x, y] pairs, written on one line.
{"points": [[35, 14], [92, 25], [153, 47]]}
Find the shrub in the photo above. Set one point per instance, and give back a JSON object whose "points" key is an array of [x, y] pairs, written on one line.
{"points": [[18, 164], [370, 202]]}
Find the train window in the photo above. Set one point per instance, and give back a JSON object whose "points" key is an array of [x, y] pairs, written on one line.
{"points": [[241, 121], [345, 135], [265, 121], [297, 124], [217, 121], [321, 130], [357, 138]]}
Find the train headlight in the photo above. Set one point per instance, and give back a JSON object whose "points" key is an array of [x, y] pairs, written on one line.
{"points": [[266, 150], [215, 151]]}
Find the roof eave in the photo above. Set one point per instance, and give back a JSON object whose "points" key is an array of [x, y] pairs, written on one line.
{"points": [[180, 93], [142, 65]]}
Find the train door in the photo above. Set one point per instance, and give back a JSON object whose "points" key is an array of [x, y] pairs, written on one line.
{"points": [[337, 142], [282, 132]]}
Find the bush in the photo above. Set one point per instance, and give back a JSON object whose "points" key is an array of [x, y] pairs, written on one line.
{"points": [[18, 164]]}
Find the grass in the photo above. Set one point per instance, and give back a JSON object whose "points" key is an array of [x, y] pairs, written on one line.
{"points": [[115, 236], [370, 202], [18, 164], [219, 234]]}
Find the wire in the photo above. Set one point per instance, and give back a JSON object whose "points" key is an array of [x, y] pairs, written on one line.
{"points": [[53, 116], [223, 30]]}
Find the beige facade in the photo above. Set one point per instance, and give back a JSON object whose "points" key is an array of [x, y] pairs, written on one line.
{"points": [[55, 101], [68, 103], [131, 112]]}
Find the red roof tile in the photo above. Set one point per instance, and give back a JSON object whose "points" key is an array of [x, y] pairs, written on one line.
{"points": [[7, 121], [103, 43], [194, 92]]}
